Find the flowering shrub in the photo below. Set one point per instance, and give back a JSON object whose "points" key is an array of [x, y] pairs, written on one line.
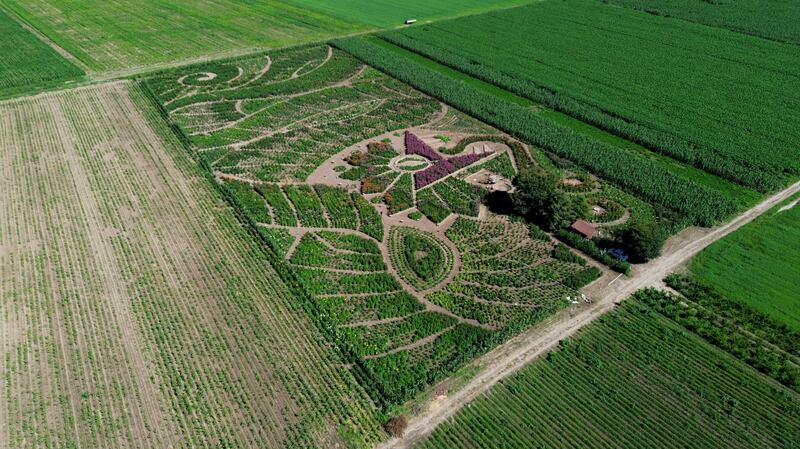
{"points": [[443, 168], [433, 173], [416, 146]]}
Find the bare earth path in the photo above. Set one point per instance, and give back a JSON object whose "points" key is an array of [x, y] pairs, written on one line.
{"points": [[521, 350]]}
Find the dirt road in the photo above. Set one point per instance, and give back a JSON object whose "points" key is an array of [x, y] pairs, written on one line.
{"points": [[519, 351]]}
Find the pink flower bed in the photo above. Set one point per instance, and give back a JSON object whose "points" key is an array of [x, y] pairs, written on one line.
{"points": [[414, 145], [442, 168]]}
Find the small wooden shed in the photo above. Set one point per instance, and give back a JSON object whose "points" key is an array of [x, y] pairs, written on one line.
{"points": [[584, 228]]}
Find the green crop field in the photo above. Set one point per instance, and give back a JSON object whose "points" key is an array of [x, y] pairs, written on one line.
{"points": [[633, 380], [135, 311], [775, 19], [391, 13], [721, 101], [114, 35], [758, 264], [27, 64]]}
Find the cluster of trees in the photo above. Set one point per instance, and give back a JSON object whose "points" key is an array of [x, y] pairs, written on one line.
{"points": [[537, 197]]}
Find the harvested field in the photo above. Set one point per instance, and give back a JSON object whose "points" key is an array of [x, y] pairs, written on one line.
{"points": [[134, 309]]}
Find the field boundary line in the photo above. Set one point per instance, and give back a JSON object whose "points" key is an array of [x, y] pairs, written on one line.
{"points": [[516, 353], [64, 53]]}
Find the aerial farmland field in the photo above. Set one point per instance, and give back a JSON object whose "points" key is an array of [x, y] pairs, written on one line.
{"points": [[136, 311], [28, 64], [390, 13], [758, 265], [775, 20], [632, 380], [647, 177], [318, 224], [372, 193], [720, 101], [114, 35]]}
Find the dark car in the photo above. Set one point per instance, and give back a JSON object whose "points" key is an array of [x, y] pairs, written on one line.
{"points": [[618, 254]]}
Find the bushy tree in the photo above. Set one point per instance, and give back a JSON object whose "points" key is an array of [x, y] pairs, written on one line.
{"points": [[644, 240], [538, 199]]}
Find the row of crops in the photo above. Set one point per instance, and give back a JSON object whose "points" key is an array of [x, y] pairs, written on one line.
{"points": [[776, 20], [758, 340], [108, 37], [376, 319], [634, 173], [395, 342], [631, 380], [28, 64], [155, 321], [629, 79]]}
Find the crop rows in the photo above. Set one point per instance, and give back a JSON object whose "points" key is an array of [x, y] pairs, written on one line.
{"points": [[28, 64], [144, 315], [590, 393], [108, 36], [757, 264], [626, 85], [319, 206], [375, 317], [753, 338], [506, 276], [776, 22]]}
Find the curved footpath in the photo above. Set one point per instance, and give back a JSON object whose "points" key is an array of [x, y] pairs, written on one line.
{"points": [[606, 293]]}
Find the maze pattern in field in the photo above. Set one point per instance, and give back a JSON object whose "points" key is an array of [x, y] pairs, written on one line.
{"points": [[277, 117], [135, 311], [304, 206], [506, 276], [420, 258], [380, 170], [377, 318], [631, 380]]}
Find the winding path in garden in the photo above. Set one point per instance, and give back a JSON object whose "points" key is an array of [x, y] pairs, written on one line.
{"points": [[421, 296], [606, 292]]}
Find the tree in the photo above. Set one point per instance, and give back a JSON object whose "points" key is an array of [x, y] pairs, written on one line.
{"points": [[565, 209], [534, 191], [644, 240], [538, 199]]}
